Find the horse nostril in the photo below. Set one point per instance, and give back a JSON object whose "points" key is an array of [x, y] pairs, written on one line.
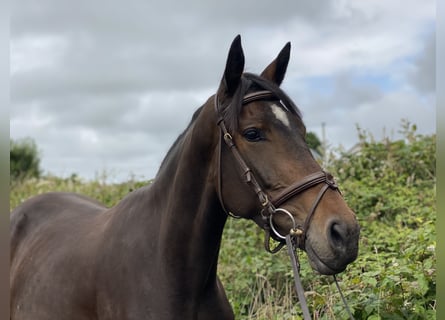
{"points": [[337, 236]]}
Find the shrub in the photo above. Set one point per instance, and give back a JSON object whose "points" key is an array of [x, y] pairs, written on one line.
{"points": [[313, 142], [24, 159]]}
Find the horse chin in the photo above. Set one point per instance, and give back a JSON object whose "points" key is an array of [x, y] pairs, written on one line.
{"points": [[319, 265]]}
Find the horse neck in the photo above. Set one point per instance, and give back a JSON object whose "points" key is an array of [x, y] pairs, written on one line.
{"points": [[192, 220]]}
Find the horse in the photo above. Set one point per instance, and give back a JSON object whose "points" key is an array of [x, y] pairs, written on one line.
{"points": [[154, 255]]}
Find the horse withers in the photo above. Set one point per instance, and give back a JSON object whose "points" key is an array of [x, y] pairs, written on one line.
{"points": [[154, 255]]}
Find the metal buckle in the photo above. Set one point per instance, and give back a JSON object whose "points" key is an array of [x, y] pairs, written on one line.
{"points": [[264, 200], [227, 136], [330, 181]]}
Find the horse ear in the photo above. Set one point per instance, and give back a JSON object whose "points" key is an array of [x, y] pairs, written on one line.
{"points": [[234, 67], [277, 69]]}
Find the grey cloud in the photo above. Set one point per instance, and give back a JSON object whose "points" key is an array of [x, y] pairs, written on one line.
{"points": [[159, 17], [123, 80], [423, 75]]}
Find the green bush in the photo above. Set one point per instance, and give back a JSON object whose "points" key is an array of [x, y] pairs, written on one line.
{"points": [[392, 187], [24, 159], [390, 179], [313, 142]]}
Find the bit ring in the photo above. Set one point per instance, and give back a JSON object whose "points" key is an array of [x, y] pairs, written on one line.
{"points": [[292, 231]]}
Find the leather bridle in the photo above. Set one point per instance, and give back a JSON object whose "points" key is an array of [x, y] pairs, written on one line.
{"points": [[296, 238], [271, 206]]}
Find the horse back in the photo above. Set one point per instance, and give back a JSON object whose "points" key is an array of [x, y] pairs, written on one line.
{"points": [[49, 233], [39, 210]]}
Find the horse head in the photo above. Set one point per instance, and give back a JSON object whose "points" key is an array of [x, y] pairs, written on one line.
{"points": [[267, 172]]}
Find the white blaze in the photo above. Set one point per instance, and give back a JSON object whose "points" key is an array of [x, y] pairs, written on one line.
{"points": [[280, 114]]}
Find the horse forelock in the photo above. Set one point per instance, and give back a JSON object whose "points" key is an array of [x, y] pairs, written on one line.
{"points": [[251, 83]]}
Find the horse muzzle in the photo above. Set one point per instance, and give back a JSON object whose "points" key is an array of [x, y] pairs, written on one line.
{"points": [[330, 252]]}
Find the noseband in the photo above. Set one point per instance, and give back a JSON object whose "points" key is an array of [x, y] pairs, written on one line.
{"points": [[271, 206]]}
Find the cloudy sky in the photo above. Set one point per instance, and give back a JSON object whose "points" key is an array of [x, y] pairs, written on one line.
{"points": [[108, 85]]}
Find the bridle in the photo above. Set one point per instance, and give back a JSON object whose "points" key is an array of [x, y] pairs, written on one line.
{"points": [[296, 237], [271, 205]]}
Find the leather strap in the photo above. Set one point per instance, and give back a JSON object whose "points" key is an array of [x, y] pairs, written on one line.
{"points": [[307, 221], [343, 298], [249, 177], [298, 187], [258, 95], [298, 286]]}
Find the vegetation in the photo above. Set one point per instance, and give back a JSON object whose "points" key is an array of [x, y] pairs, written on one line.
{"points": [[313, 142], [24, 159], [392, 187]]}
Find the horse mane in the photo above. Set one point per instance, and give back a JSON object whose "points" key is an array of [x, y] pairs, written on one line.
{"points": [[179, 138]]}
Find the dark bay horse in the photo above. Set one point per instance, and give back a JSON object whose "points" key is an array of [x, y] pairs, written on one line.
{"points": [[154, 255]]}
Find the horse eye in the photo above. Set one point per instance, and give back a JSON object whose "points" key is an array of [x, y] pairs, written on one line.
{"points": [[252, 134]]}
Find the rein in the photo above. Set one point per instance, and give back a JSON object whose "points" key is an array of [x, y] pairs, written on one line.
{"points": [[297, 234]]}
